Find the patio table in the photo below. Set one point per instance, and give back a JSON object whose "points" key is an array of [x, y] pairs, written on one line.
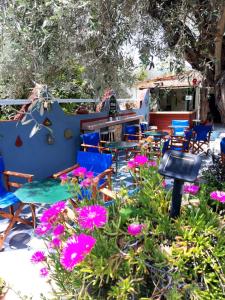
{"points": [[156, 134], [47, 191], [120, 146]]}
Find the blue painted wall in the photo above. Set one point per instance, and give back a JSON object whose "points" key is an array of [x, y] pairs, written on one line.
{"points": [[35, 156]]}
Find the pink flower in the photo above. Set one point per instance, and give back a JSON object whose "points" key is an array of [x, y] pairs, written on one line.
{"points": [[64, 177], [43, 229], [135, 229], [51, 214], [131, 164], [86, 182], [80, 172], [44, 272], [152, 163], [37, 257], [140, 160], [59, 229], [75, 250], [89, 174], [55, 243], [218, 196], [164, 183], [191, 189], [92, 216]]}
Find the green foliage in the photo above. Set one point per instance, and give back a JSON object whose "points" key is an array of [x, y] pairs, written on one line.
{"points": [[3, 286]]}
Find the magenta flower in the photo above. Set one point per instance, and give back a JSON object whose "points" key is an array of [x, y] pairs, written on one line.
{"points": [[140, 160], [59, 229], [152, 163], [89, 174], [55, 243], [131, 164], [37, 257], [44, 272], [135, 229], [43, 229], [80, 172], [218, 196], [92, 216], [191, 189], [164, 183], [51, 214], [64, 177], [75, 250], [86, 182]]}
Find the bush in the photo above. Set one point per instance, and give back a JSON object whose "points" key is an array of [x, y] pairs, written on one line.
{"points": [[133, 249]]}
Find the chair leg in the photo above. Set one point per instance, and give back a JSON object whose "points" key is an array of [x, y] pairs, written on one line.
{"points": [[14, 219], [32, 208]]}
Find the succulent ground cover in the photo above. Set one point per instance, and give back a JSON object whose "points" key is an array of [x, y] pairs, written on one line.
{"points": [[132, 249]]}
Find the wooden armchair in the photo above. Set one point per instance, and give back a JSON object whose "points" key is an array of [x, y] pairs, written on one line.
{"points": [[99, 163], [10, 206]]}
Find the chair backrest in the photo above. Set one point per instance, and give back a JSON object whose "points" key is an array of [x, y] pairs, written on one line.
{"points": [[92, 138], [131, 129], [95, 162], [165, 146], [2, 168], [183, 124], [202, 132], [222, 145], [144, 126]]}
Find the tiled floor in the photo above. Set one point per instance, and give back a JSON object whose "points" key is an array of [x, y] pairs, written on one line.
{"points": [[15, 264]]}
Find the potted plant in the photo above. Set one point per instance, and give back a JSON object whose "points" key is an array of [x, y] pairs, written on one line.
{"points": [[3, 288]]}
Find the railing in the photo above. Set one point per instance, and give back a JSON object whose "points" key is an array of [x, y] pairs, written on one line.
{"points": [[27, 101]]}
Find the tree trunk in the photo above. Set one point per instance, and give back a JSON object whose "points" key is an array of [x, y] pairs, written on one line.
{"points": [[220, 86]]}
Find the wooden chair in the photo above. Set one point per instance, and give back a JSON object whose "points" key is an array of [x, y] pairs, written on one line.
{"points": [[10, 206], [99, 163], [201, 138]]}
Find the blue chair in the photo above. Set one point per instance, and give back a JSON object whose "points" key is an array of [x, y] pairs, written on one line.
{"points": [[131, 132], [201, 138], [10, 203], [222, 148], [179, 127], [91, 142], [144, 126], [99, 163]]}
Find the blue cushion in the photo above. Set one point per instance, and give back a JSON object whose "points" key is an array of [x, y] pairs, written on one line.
{"points": [[179, 131], [132, 129], [222, 145], [202, 132], [8, 199], [95, 162], [165, 146], [92, 138]]}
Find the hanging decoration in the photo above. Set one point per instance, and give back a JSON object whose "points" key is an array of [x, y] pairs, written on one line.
{"points": [[68, 133], [47, 122], [50, 139], [18, 142]]}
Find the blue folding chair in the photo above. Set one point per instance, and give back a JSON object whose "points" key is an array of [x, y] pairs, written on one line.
{"points": [[179, 127], [201, 138], [91, 142], [131, 132], [9, 202], [100, 164], [222, 148]]}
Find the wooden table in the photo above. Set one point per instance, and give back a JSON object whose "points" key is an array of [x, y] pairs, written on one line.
{"points": [[96, 125]]}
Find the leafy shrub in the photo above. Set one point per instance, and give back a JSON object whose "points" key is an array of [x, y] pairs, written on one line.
{"points": [[139, 253]]}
